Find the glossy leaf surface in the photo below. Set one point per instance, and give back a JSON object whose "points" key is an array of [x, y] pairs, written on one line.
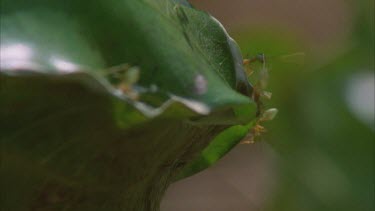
{"points": [[73, 138]]}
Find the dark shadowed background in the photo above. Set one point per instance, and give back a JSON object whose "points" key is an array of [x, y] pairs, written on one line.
{"points": [[318, 153]]}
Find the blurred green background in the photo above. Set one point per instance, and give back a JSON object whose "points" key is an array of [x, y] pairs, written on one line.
{"points": [[319, 151]]}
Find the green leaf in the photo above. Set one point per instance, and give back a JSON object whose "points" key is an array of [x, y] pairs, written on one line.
{"points": [[218, 147], [168, 41], [103, 103]]}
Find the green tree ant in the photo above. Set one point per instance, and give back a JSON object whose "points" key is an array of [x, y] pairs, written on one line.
{"points": [[259, 93], [256, 95], [124, 77]]}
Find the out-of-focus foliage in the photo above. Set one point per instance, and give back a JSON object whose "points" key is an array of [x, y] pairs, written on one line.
{"points": [[326, 150]]}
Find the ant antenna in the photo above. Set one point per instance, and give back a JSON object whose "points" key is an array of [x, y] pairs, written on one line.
{"points": [[262, 59]]}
